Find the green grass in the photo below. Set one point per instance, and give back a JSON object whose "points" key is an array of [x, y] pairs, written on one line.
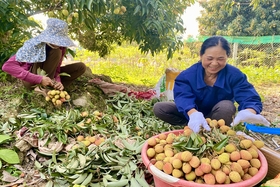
{"points": [[262, 75], [127, 65]]}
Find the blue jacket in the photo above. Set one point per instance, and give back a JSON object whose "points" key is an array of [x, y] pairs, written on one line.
{"points": [[190, 90]]}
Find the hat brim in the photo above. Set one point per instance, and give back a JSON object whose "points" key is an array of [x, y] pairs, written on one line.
{"points": [[59, 40]]}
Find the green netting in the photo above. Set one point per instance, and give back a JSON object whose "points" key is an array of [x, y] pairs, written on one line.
{"points": [[242, 39]]}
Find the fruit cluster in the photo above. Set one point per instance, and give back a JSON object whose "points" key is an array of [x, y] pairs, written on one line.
{"points": [[236, 161], [57, 97], [120, 10], [90, 140]]}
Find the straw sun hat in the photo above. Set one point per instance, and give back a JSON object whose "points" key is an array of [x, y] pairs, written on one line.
{"points": [[34, 50]]}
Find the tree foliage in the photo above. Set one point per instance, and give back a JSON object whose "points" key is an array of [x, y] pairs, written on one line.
{"points": [[243, 18], [15, 27], [153, 24], [97, 24]]}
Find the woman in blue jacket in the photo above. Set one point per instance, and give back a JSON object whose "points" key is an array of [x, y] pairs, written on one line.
{"points": [[208, 89]]}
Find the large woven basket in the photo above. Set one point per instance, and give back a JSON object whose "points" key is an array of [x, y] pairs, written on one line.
{"points": [[273, 160]]}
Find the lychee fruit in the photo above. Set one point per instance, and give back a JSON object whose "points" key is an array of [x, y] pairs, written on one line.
{"points": [[167, 168], [205, 167], [246, 143], [190, 176], [246, 155], [151, 152], [220, 177], [235, 155], [186, 156], [253, 171], [215, 163], [186, 168], [234, 176], [177, 173], [223, 158], [258, 143], [159, 164], [209, 178], [177, 163], [194, 162], [230, 147], [255, 163], [244, 163], [221, 122]]}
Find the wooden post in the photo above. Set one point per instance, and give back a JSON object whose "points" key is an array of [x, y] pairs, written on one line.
{"points": [[234, 53]]}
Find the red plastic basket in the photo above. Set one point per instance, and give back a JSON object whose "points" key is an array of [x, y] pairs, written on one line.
{"points": [[162, 179]]}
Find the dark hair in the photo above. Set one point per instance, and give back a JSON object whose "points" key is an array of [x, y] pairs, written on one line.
{"points": [[215, 41]]}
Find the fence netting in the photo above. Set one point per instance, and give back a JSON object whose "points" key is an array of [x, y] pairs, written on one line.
{"points": [[257, 51]]}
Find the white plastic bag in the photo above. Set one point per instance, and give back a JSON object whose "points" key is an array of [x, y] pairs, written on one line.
{"points": [[164, 87]]}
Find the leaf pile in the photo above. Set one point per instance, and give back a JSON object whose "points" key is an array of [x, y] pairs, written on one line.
{"points": [[126, 124]]}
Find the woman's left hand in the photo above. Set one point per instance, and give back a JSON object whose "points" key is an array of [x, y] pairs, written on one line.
{"points": [[249, 117], [58, 85]]}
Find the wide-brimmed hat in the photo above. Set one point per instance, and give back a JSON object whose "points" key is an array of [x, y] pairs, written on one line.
{"points": [[56, 33], [34, 50]]}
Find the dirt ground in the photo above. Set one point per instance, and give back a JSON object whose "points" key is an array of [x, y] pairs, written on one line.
{"points": [[269, 93], [271, 102]]}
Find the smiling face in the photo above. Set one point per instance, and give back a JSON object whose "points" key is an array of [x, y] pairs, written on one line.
{"points": [[214, 59]]}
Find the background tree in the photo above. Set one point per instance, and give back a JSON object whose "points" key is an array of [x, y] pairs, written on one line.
{"points": [[262, 19], [15, 28], [153, 24]]}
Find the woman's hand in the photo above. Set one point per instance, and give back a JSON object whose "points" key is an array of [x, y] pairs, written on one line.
{"points": [[249, 117], [196, 121], [46, 81], [58, 85]]}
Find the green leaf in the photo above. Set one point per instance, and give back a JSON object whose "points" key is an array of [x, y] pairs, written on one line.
{"points": [[4, 138], [38, 165], [89, 4], [82, 3], [132, 166], [64, 74], [190, 142], [41, 72], [221, 144], [12, 120], [137, 9], [71, 52], [54, 157], [49, 184], [9, 156], [192, 148], [198, 141]]}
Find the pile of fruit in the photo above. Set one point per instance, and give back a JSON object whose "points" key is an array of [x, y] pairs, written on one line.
{"points": [[57, 97], [211, 157], [89, 140]]}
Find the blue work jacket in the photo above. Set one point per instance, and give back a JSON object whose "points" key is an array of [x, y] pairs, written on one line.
{"points": [[190, 90]]}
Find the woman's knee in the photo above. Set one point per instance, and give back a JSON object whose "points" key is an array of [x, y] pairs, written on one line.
{"points": [[227, 106], [82, 67], [161, 107], [224, 110], [157, 108]]}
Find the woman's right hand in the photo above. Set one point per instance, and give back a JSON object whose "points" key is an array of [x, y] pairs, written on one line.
{"points": [[46, 81], [196, 121], [58, 85]]}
